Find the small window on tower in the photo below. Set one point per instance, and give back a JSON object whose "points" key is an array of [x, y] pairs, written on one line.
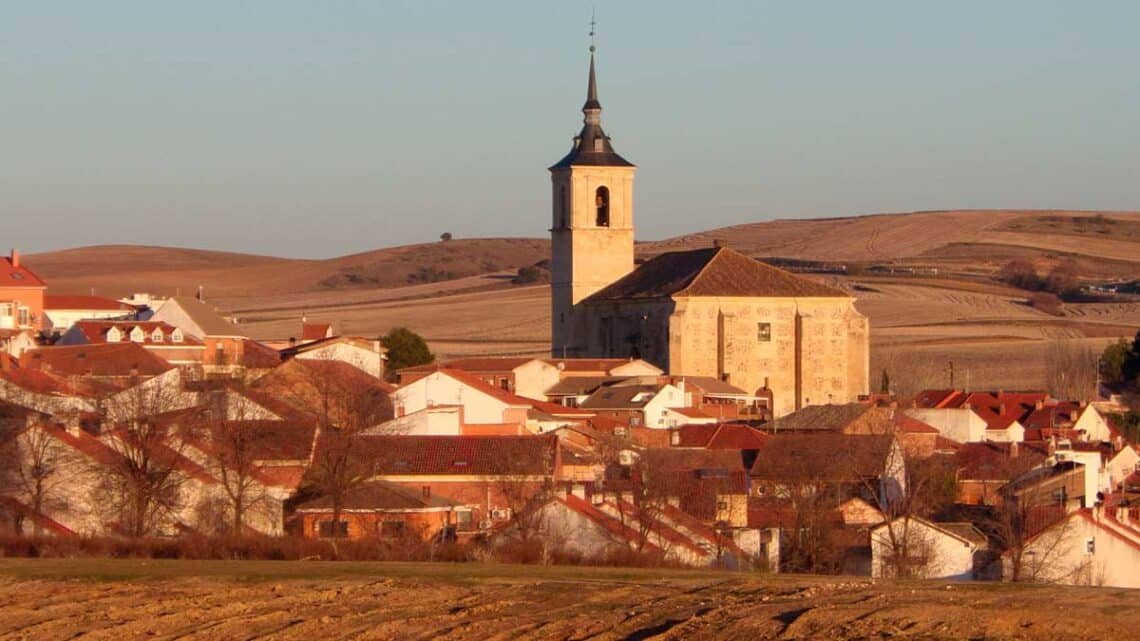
{"points": [[764, 332], [564, 208], [599, 144], [602, 201]]}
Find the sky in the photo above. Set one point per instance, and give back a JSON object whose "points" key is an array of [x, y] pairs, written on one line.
{"points": [[319, 129]]}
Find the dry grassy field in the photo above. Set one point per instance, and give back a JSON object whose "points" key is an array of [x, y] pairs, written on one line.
{"points": [[123, 600], [993, 337]]}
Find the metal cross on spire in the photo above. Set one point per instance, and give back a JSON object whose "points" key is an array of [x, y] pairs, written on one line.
{"points": [[593, 24]]}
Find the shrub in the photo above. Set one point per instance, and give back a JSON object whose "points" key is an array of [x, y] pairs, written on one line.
{"points": [[1020, 273], [1046, 302]]}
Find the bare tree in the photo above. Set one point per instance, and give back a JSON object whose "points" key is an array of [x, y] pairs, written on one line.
{"points": [[346, 401], [143, 484], [1071, 370], [33, 471], [523, 478]]}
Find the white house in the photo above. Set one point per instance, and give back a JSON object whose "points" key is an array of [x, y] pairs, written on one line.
{"points": [[362, 353], [1087, 547], [916, 548], [481, 403], [957, 424], [62, 311]]}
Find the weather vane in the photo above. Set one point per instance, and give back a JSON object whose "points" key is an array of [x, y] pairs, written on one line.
{"points": [[593, 23]]}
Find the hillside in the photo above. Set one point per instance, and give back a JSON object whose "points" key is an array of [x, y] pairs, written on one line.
{"points": [[923, 278]]}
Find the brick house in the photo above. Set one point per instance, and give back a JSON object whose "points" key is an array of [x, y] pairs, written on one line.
{"points": [[379, 509], [492, 479]]}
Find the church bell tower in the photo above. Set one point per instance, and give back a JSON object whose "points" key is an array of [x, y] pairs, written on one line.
{"points": [[592, 227]]}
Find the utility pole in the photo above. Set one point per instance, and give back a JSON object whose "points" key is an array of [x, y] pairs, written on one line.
{"points": [[951, 369]]}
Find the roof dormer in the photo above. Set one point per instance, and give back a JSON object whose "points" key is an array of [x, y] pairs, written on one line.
{"points": [[138, 335], [176, 336], [156, 336], [114, 335]]}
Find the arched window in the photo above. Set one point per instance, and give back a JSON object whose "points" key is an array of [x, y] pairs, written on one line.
{"points": [[602, 200], [564, 205]]}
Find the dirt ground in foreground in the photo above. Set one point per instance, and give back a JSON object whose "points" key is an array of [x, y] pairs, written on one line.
{"points": [[376, 601]]}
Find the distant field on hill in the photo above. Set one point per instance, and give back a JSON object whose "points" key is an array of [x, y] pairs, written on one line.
{"points": [[167, 600], [458, 293]]}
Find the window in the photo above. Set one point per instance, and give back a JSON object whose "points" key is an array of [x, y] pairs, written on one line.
{"points": [[5, 309], [505, 383], [1090, 546], [137, 335], [114, 335], [602, 201], [176, 336], [24, 316], [156, 336], [332, 529], [391, 527], [599, 144], [764, 332]]}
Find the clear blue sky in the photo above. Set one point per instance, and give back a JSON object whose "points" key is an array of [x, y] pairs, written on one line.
{"points": [[317, 129]]}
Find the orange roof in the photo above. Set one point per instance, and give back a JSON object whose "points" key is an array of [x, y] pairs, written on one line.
{"points": [[107, 359], [18, 274], [556, 409], [39, 381], [731, 436], [315, 331], [84, 303], [95, 331], [910, 425], [505, 364]]}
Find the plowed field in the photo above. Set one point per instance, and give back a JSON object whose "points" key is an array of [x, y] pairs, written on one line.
{"points": [[122, 600]]}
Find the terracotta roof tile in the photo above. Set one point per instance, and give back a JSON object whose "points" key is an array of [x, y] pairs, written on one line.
{"points": [[315, 331], [95, 331], [717, 271], [19, 276], [460, 455], [105, 360], [721, 436]]}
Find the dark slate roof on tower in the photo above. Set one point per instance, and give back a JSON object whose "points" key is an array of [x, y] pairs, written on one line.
{"points": [[592, 145], [715, 271]]}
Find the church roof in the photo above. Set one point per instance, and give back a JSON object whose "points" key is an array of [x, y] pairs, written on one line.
{"points": [[592, 145], [715, 271]]}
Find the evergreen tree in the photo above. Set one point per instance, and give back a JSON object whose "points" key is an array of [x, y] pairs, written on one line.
{"points": [[405, 349], [885, 385]]}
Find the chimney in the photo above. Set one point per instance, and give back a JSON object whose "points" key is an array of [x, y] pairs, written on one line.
{"points": [[15, 257], [1013, 449], [1040, 405], [675, 437], [720, 242]]}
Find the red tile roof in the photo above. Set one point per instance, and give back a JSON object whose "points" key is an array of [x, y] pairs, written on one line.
{"points": [[460, 455], [730, 436], [18, 275], [717, 271], [990, 461], [78, 302], [315, 331], [910, 425], [95, 331], [108, 360], [40, 382]]}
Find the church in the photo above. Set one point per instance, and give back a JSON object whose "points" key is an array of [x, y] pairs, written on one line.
{"points": [[703, 312]]}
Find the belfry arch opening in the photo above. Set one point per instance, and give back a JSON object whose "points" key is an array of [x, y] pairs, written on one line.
{"points": [[602, 202]]}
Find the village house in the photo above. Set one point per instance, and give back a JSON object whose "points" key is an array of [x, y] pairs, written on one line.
{"points": [[639, 404], [104, 368], [984, 468], [364, 354], [21, 295], [227, 351], [61, 311], [380, 510], [492, 479], [1091, 546], [164, 340], [913, 547], [14, 342]]}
